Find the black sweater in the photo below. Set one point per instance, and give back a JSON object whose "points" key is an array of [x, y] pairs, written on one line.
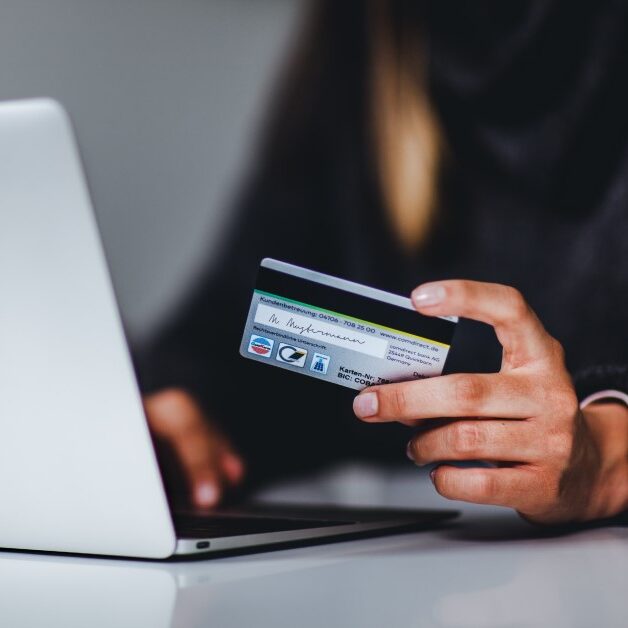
{"points": [[533, 102]]}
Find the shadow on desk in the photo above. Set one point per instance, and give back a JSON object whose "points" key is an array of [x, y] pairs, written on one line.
{"points": [[495, 528]]}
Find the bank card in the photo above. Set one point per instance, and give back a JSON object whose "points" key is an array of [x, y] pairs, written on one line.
{"points": [[340, 331]]}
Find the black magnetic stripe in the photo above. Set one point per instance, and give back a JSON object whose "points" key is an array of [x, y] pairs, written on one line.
{"points": [[355, 305]]}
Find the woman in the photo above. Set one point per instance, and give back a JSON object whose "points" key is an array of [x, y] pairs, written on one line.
{"points": [[415, 143]]}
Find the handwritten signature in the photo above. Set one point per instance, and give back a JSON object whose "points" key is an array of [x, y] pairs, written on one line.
{"points": [[310, 329]]}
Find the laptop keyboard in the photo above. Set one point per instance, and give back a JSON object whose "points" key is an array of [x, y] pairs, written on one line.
{"points": [[212, 526]]}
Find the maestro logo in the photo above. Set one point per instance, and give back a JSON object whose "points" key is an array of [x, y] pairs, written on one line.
{"points": [[261, 346], [291, 355]]}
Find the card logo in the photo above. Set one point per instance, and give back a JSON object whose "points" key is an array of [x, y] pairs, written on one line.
{"points": [[320, 363], [291, 355], [261, 346]]}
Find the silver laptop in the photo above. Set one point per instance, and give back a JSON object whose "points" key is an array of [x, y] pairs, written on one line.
{"points": [[78, 471]]}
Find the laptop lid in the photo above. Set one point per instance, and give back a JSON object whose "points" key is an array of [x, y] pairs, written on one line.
{"points": [[78, 471]]}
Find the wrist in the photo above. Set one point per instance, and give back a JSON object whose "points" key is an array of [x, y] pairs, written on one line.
{"points": [[607, 425]]}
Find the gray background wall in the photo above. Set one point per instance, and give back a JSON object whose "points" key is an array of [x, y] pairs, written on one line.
{"points": [[166, 96]]}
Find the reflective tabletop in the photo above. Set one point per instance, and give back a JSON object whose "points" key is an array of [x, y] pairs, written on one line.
{"points": [[487, 569]]}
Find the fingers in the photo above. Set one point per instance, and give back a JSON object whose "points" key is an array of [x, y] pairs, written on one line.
{"points": [[518, 329], [201, 464], [207, 460], [476, 440], [232, 466], [208, 474], [460, 395], [509, 486]]}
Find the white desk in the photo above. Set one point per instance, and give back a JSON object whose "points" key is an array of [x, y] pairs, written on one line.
{"points": [[489, 569]]}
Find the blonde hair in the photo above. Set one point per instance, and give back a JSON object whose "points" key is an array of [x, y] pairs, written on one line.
{"points": [[406, 135]]}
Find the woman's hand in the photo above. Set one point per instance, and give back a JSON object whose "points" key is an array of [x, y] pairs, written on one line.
{"points": [[552, 462], [203, 454]]}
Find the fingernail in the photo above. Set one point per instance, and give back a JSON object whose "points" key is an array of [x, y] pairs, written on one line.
{"points": [[206, 494], [409, 451], [366, 405], [432, 474], [430, 294]]}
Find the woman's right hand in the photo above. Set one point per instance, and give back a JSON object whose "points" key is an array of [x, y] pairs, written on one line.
{"points": [[202, 452]]}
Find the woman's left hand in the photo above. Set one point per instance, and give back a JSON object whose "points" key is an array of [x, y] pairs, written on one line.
{"points": [[552, 462]]}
